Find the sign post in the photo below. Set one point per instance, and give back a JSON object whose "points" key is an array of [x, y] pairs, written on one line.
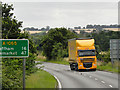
{"points": [[15, 48], [24, 61]]}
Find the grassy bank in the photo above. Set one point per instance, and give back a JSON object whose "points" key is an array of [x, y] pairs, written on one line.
{"points": [[43, 59], [108, 66], [41, 79], [55, 61], [59, 62]]}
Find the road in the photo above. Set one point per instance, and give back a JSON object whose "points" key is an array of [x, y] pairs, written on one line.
{"points": [[81, 79]]}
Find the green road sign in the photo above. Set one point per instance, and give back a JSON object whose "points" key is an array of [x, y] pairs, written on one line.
{"points": [[14, 48]]}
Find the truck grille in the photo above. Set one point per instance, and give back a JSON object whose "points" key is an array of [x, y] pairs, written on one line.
{"points": [[87, 65], [88, 60]]}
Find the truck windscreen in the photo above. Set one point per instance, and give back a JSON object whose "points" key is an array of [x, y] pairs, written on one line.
{"points": [[86, 53]]}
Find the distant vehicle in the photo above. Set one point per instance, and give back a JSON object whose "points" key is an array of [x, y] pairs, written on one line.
{"points": [[82, 54]]}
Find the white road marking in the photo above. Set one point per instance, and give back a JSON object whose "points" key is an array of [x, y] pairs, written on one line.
{"points": [[59, 84], [102, 81], [90, 76], [111, 86], [96, 79]]}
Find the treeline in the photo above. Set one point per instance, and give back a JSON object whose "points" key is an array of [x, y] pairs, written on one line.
{"points": [[12, 67], [31, 29], [36, 29], [78, 27], [103, 26], [54, 44]]}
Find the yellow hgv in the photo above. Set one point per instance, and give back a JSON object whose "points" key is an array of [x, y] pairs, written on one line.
{"points": [[82, 54]]}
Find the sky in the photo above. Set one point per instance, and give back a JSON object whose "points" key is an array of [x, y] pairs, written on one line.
{"points": [[65, 14]]}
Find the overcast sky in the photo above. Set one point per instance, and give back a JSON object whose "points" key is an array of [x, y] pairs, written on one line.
{"points": [[65, 14]]}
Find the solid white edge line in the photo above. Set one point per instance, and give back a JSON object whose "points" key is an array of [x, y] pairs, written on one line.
{"points": [[59, 84]]}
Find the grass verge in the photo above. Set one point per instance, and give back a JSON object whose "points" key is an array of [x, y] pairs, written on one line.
{"points": [[58, 62], [108, 67], [53, 61], [41, 79]]}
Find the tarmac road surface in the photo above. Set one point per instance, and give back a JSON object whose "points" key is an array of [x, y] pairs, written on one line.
{"points": [[81, 79]]}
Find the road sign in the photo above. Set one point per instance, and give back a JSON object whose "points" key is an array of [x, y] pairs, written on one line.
{"points": [[14, 48], [115, 48]]}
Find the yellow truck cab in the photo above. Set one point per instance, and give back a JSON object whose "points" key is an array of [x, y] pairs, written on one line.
{"points": [[82, 54]]}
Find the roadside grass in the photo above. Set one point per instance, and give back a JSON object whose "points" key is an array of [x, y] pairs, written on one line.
{"points": [[59, 62], [108, 66], [43, 59], [55, 61], [41, 79], [40, 57]]}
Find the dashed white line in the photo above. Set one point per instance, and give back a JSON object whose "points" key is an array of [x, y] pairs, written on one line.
{"points": [[90, 76], [96, 79], [102, 81], [111, 86]]}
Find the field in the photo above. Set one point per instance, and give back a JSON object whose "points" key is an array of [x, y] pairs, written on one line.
{"points": [[32, 32], [78, 31], [112, 29]]}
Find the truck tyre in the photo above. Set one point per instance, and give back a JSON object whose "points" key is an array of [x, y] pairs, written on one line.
{"points": [[76, 67], [71, 67], [93, 69]]}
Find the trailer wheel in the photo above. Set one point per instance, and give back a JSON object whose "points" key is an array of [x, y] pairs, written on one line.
{"points": [[71, 67]]}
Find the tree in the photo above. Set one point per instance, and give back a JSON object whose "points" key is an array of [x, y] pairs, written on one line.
{"points": [[103, 39], [55, 42], [12, 67], [10, 26]]}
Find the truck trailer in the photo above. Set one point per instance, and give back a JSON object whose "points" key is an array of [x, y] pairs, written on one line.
{"points": [[82, 54]]}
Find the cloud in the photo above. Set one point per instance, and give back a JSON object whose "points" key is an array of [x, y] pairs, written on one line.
{"points": [[67, 14]]}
